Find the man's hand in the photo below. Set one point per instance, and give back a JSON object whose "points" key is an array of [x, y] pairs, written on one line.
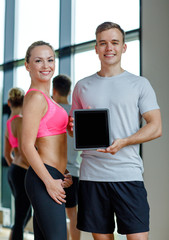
{"points": [[70, 126], [115, 147], [67, 182]]}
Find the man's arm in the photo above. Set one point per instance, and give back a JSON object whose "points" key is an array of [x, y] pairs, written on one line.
{"points": [[151, 130]]}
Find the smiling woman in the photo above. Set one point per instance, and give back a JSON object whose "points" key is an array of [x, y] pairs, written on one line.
{"points": [[42, 64], [45, 145]]}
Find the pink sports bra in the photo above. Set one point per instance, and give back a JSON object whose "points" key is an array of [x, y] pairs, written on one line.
{"points": [[12, 140], [54, 121]]}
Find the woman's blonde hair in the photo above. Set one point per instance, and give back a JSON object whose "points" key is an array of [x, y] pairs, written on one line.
{"points": [[36, 44], [16, 96]]}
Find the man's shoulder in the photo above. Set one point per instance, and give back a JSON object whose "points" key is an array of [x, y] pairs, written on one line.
{"points": [[131, 75], [137, 78], [88, 78]]}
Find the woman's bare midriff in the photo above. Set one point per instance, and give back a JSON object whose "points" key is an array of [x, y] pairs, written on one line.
{"points": [[53, 151]]}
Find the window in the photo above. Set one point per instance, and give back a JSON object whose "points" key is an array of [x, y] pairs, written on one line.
{"points": [[84, 67], [89, 14], [35, 20], [22, 78], [1, 89], [2, 16], [131, 58], [2, 22]]}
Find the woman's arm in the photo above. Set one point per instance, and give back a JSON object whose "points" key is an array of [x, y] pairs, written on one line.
{"points": [[34, 108], [8, 150], [19, 134]]}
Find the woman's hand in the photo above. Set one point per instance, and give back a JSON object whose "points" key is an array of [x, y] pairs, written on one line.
{"points": [[56, 191]]}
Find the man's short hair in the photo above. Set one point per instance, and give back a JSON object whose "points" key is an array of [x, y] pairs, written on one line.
{"points": [[62, 84], [109, 25]]}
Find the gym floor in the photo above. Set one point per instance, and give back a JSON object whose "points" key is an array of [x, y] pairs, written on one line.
{"points": [[4, 235]]}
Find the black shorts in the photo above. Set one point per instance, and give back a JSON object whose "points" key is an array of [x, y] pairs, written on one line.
{"points": [[99, 202], [72, 193]]}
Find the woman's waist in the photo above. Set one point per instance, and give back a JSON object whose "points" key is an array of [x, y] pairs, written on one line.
{"points": [[52, 139], [21, 162], [58, 162], [54, 172]]}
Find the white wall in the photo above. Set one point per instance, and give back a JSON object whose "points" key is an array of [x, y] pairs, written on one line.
{"points": [[155, 36]]}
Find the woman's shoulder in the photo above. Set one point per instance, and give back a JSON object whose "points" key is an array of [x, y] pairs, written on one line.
{"points": [[35, 104], [35, 97], [18, 120]]}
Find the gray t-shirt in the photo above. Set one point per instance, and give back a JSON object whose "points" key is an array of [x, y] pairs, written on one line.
{"points": [[74, 159], [127, 96]]}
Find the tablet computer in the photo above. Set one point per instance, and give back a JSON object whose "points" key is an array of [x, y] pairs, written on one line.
{"points": [[91, 129]]}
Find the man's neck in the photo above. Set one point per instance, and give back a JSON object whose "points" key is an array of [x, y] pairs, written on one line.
{"points": [[61, 99], [110, 72]]}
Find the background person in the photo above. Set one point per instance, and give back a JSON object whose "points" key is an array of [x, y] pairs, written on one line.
{"points": [[17, 163], [111, 179], [45, 146], [61, 91]]}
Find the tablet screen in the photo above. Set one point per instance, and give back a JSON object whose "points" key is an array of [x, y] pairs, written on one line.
{"points": [[91, 129]]}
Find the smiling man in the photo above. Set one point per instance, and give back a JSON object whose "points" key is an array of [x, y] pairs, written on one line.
{"points": [[111, 181]]}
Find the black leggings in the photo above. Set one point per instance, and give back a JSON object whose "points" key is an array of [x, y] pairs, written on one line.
{"points": [[49, 220], [16, 177]]}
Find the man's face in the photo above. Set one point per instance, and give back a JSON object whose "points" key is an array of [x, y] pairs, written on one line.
{"points": [[110, 46]]}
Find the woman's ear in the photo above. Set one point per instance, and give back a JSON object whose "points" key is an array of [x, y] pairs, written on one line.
{"points": [[9, 104], [27, 66]]}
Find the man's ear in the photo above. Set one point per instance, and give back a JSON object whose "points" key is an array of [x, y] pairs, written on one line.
{"points": [[96, 49], [54, 91], [124, 48]]}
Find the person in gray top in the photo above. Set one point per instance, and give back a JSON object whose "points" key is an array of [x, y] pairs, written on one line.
{"points": [[111, 181], [61, 91]]}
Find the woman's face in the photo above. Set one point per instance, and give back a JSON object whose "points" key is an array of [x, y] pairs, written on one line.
{"points": [[41, 64]]}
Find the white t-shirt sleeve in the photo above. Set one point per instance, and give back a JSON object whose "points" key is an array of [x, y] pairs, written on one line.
{"points": [[75, 100], [147, 99]]}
